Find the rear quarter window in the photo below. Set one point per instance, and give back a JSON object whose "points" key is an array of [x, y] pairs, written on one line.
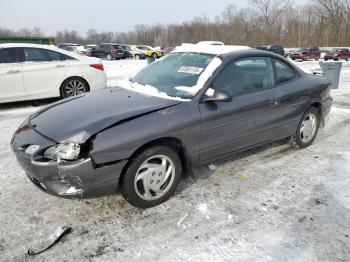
{"points": [[284, 72], [8, 55]]}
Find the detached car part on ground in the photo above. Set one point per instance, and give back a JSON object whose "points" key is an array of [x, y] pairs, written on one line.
{"points": [[195, 105]]}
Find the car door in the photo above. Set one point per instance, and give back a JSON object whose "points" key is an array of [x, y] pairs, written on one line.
{"points": [[250, 117], [293, 98], [11, 83], [43, 72]]}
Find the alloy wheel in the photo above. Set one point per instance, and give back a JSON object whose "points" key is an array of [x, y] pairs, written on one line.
{"points": [[74, 87]]}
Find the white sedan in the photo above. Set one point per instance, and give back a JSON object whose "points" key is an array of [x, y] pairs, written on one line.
{"points": [[30, 71]]}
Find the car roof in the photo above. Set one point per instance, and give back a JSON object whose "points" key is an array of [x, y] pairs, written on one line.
{"points": [[14, 45], [209, 49], [48, 47], [69, 44]]}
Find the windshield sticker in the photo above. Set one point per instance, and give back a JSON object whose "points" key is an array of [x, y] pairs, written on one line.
{"points": [[190, 70]]}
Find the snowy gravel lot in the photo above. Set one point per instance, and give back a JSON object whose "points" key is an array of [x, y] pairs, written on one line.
{"points": [[273, 203]]}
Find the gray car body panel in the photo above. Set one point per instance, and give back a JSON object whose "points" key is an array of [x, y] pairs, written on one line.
{"points": [[181, 122], [119, 122]]}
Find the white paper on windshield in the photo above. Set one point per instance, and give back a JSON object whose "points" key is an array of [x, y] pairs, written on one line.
{"points": [[190, 70]]}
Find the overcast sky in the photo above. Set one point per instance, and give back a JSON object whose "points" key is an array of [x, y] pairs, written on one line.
{"points": [[104, 15]]}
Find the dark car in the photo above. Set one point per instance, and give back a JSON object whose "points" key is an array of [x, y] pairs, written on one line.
{"points": [[108, 51], [168, 50], [306, 53], [337, 54], [190, 108], [277, 49], [67, 46]]}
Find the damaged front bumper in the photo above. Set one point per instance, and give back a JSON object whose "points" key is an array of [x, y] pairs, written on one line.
{"points": [[69, 179]]}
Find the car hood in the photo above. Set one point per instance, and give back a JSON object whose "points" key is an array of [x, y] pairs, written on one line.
{"points": [[78, 118]]}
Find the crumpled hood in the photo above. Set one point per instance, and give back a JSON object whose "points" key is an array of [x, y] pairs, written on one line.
{"points": [[88, 114]]}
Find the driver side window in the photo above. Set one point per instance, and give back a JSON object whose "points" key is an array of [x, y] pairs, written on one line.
{"points": [[246, 75]]}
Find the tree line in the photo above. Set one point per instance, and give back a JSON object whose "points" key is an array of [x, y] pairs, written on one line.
{"points": [[315, 23]]}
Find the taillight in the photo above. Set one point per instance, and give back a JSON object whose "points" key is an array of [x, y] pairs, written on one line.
{"points": [[98, 66]]}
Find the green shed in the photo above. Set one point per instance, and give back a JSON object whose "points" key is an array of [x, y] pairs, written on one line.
{"points": [[27, 40]]}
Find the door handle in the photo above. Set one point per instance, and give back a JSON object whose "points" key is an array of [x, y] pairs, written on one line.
{"points": [[13, 72], [59, 66], [274, 102]]}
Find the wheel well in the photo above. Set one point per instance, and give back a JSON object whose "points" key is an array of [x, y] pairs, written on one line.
{"points": [[171, 142], [72, 77], [318, 106]]}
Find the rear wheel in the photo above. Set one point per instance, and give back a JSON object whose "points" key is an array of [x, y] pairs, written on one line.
{"points": [[73, 86], [308, 128], [155, 56], [137, 57], [152, 177]]}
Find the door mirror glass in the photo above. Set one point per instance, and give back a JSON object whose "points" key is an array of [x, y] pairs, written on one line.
{"points": [[219, 95]]}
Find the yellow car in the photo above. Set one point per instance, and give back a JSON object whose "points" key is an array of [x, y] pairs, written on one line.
{"points": [[150, 51]]}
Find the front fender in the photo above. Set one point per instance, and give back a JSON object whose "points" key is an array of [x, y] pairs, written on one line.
{"points": [[121, 141]]}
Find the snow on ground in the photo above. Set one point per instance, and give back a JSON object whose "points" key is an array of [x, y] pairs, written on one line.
{"points": [[272, 203], [122, 70]]}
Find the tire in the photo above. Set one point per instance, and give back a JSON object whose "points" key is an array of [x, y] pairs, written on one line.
{"points": [[155, 56], [325, 59], [137, 57], [73, 86], [308, 128], [109, 57], [138, 177]]}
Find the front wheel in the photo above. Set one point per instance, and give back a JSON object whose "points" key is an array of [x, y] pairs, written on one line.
{"points": [[308, 128], [155, 56], [152, 177]]}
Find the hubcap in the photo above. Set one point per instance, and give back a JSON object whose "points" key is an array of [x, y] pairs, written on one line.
{"points": [[75, 87], [154, 177], [308, 128]]}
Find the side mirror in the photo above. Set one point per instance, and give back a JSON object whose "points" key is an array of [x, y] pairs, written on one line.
{"points": [[220, 95]]}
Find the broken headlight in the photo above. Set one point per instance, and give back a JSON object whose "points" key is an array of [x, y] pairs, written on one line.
{"points": [[64, 151]]}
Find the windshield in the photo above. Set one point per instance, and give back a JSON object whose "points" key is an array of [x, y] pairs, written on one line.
{"points": [[173, 71], [303, 50], [336, 50]]}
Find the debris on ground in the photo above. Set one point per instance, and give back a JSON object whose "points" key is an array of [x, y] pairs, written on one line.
{"points": [[243, 177], [60, 233], [212, 167], [182, 219]]}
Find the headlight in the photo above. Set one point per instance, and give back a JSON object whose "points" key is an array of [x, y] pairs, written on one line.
{"points": [[65, 151], [30, 150]]}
